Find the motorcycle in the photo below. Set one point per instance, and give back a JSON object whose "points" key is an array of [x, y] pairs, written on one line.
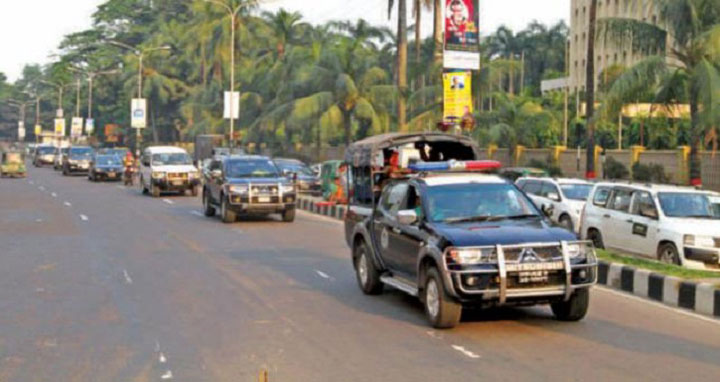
{"points": [[129, 175]]}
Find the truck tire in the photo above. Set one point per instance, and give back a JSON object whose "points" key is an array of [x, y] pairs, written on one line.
{"points": [[574, 309], [208, 209], [288, 216], [228, 216], [368, 276], [668, 254], [441, 310], [567, 223], [596, 237]]}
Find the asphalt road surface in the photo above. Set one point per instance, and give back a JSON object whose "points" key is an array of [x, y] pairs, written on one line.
{"points": [[99, 283]]}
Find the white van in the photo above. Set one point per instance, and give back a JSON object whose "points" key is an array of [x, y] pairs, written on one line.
{"points": [[167, 169], [676, 225], [565, 197]]}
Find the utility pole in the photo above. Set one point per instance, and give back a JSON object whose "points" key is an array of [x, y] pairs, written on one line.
{"points": [[590, 93]]}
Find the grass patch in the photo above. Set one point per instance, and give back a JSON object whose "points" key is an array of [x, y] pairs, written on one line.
{"points": [[656, 266]]}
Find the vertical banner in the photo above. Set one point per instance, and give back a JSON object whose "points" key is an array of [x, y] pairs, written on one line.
{"points": [[89, 126], [235, 105], [457, 96], [38, 130], [76, 128], [60, 127], [21, 131], [138, 113], [462, 34]]}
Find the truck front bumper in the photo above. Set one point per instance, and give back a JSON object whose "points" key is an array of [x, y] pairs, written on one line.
{"points": [[245, 204], [512, 282], [175, 185]]}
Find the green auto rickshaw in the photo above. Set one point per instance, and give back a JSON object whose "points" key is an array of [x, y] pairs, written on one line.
{"points": [[333, 175], [13, 164]]}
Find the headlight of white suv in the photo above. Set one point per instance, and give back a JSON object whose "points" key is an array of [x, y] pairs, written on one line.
{"points": [[287, 189], [699, 241], [158, 175], [576, 250]]}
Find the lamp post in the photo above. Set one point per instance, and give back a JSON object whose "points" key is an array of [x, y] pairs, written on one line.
{"points": [[21, 106], [91, 76], [140, 54], [61, 89], [233, 12]]}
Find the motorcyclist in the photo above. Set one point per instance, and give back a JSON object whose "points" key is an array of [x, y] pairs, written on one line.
{"points": [[129, 163]]}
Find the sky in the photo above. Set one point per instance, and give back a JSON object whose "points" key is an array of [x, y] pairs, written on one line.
{"points": [[31, 30]]}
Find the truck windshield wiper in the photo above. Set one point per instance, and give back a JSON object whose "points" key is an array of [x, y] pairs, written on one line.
{"points": [[526, 216], [479, 218]]}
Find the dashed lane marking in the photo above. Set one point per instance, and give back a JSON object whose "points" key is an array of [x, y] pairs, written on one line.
{"points": [[84, 218], [127, 276], [168, 375], [196, 213], [162, 358], [323, 275], [54, 195], [38, 220], [67, 204], [41, 188], [466, 352], [168, 201]]}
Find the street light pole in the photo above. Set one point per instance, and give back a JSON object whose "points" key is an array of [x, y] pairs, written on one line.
{"points": [[233, 18], [140, 54]]}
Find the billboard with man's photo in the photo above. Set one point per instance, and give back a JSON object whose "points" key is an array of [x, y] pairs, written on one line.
{"points": [[462, 34]]}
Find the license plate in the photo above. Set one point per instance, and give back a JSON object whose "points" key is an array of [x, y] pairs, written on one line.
{"points": [[264, 199], [84, 166], [111, 174], [529, 267], [533, 277], [177, 182]]}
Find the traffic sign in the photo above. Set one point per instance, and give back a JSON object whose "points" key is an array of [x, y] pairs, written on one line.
{"points": [[60, 127], [138, 113], [76, 129]]}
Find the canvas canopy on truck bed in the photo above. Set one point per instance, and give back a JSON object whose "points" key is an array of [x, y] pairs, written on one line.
{"points": [[442, 147]]}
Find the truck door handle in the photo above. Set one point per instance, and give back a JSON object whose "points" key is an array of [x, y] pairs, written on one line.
{"points": [[629, 221], [607, 216]]}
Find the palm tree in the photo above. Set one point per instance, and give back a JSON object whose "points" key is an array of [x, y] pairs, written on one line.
{"points": [[687, 70], [286, 27], [402, 60]]}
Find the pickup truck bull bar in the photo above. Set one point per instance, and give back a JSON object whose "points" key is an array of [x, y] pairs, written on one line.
{"points": [[502, 292]]}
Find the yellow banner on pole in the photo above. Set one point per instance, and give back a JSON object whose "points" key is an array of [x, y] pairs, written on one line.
{"points": [[457, 90]]}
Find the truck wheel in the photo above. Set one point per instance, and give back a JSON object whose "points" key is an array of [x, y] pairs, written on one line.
{"points": [[208, 209], [667, 253], [288, 216], [368, 276], [228, 216], [596, 237], [566, 223], [155, 191], [441, 311], [574, 309]]}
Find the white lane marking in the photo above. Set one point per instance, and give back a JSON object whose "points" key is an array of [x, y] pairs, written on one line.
{"points": [[434, 334], [38, 220], [162, 358], [127, 276], [196, 213], [54, 195], [84, 218], [323, 275], [168, 375], [157, 346], [168, 201], [67, 204], [41, 188], [121, 187], [659, 305], [466, 352]]}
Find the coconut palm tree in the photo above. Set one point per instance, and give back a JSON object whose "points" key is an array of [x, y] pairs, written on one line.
{"points": [[687, 69]]}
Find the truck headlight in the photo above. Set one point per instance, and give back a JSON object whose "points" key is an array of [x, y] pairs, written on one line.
{"points": [[699, 241], [288, 189], [471, 256], [158, 175], [193, 175], [241, 189], [576, 250]]}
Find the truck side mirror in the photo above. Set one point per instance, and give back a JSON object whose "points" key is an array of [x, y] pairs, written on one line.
{"points": [[407, 217]]}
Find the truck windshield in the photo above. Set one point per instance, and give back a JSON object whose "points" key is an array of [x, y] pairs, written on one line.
{"points": [[45, 150], [576, 191], [477, 201], [108, 160], [81, 152], [257, 168], [170, 159], [298, 168], [686, 205]]}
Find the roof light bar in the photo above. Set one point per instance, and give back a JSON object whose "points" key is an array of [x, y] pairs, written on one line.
{"points": [[453, 165]]}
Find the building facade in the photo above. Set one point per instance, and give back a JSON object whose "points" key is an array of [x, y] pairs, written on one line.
{"points": [[607, 51]]}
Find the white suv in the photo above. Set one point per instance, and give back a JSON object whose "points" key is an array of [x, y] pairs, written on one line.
{"points": [[677, 225], [563, 199], [167, 169]]}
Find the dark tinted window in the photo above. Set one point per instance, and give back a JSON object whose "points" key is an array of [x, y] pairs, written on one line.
{"points": [[254, 168], [576, 191], [80, 152], [533, 187], [643, 203], [547, 189]]}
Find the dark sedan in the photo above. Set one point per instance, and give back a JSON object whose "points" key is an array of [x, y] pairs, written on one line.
{"points": [[106, 167]]}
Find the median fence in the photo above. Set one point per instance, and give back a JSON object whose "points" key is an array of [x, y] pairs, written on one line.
{"points": [[702, 298]]}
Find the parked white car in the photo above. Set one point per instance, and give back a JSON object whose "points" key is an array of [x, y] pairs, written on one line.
{"points": [[677, 225], [565, 197], [167, 169]]}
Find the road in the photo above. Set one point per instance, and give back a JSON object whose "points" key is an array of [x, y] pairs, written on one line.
{"points": [[99, 283]]}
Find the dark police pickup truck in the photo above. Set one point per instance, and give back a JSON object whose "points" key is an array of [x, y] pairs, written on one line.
{"points": [[463, 239], [240, 184]]}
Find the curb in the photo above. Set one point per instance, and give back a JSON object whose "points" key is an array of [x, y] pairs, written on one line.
{"points": [[701, 298]]}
